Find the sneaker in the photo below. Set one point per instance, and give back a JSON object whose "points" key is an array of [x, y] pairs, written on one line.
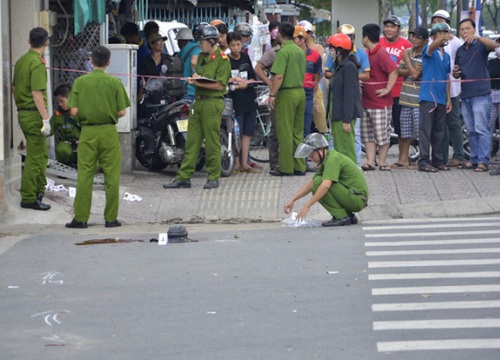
{"points": [[495, 172]]}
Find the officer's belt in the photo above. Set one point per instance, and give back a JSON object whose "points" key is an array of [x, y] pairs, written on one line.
{"points": [[27, 109], [98, 124], [204, 97]]}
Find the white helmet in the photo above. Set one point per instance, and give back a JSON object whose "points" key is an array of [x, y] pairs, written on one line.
{"points": [[312, 142], [185, 34], [442, 14], [306, 25]]}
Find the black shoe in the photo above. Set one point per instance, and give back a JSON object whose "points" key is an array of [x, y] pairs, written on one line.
{"points": [[111, 224], [495, 172], [338, 222], [353, 218], [37, 205], [178, 184], [211, 184], [76, 224], [299, 173], [278, 173]]}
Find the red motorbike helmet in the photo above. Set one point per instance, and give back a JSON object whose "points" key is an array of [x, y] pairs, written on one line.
{"points": [[340, 41]]}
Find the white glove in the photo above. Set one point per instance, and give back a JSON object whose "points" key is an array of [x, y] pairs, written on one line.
{"points": [[46, 127]]}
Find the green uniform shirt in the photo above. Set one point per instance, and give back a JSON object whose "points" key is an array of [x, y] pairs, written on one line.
{"points": [[30, 75], [217, 67], [290, 62], [64, 126], [99, 97], [340, 169]]}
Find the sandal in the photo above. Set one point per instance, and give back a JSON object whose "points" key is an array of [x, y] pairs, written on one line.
{"points": [[481, 168], [384, 167], [428, 168], [467, 165], [397, 165], [367, 167], [250, 170]]}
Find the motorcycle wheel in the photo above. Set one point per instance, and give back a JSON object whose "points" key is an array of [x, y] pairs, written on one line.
{"points": [[152, 162], [227, 158]]}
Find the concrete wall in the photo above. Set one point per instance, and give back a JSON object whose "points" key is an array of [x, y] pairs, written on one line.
{"points": [[355, 12]]}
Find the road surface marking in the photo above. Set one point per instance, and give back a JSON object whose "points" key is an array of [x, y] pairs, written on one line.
{"points": [[441, 305], [388, 264], [436, 289], [438, 345]]}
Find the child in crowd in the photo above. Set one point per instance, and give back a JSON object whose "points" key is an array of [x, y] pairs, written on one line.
{"points": [[243, 98]]}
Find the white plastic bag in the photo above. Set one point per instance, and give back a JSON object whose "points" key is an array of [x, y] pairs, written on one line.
{"points": [[292, 221]]}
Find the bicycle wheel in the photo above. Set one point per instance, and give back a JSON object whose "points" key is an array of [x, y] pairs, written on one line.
{"points": [[258, 144]]}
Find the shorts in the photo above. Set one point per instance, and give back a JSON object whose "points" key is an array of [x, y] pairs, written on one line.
{"points": [[409, 122], [246, 121], [376, 126]]}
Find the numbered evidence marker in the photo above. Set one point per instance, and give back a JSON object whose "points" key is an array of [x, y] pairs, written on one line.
{"points": [[162, 239]]}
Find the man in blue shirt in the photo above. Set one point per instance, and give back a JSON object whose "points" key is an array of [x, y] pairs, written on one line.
{"points": [[190, 49], [471, 62], [434, 99]]}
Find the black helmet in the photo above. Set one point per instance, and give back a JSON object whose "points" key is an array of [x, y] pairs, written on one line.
{"points": [[393, 19], [209, 32], [197, 28], [244, 29]]}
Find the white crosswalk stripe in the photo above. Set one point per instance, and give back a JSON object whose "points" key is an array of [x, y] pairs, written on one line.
{"points": [[440, 275]]}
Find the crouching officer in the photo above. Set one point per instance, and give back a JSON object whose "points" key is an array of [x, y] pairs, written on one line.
{"points": [[65, 127], [30, 93], [205, 118], [338, 185]]}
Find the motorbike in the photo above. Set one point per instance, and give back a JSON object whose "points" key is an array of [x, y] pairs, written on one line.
{"points": [[162, 127]]}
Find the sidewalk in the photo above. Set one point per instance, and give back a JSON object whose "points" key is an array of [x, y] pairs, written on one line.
{"points": [[246, 198]]}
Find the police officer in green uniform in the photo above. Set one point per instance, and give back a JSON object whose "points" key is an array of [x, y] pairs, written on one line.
{"points": [[29, 88], [206, 115], [65, 127], [98, 100], [288, 98], [338, 185]]}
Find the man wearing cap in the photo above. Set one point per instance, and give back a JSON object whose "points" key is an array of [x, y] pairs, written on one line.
{"points": [[319, 112], [338, 184], [471, 63], [410, 69], [130, 32], [312, 76], [434, 100], [395, 45], [453, 131], [190, 49], [288, 98]]}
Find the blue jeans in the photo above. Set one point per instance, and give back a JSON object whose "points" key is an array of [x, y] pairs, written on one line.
{"points": [[308, 113], [476, 112], [357, 139]]}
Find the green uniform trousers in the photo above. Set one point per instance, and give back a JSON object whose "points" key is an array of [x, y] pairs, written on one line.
{"points": [[98, 143], [344, 142], [204, 123], [65, 153], [289, 113], [339, 201], [35, 164]]}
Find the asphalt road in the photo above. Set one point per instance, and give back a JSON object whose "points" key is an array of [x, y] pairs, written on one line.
{"points": [[256, 291]]}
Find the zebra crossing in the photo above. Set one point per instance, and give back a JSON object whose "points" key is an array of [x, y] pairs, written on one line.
{"points": [[435, 284]]}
